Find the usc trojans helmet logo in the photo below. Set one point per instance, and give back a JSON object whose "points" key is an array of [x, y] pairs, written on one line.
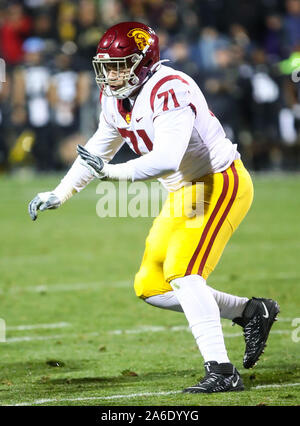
{"points": [[141, 37]]}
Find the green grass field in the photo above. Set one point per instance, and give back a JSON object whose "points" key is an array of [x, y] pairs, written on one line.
{"points": [[77, 335]]}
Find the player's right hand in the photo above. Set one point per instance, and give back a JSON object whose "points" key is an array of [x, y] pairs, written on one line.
{"points": [[93, 163], [43, 201]]}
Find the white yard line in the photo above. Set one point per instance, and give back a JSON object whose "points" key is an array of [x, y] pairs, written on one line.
{"points": [[53, 288], [94, 398], [134, 395], [139, 330], [155, 329], [57, 288], [33, 338], [37, 326], [275, 385], [42, 338]]}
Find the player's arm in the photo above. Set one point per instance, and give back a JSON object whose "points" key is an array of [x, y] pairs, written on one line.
{"points": [[173, 128], [172, 135], [104, 143]]}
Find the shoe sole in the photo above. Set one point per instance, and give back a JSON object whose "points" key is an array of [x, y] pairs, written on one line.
{"points": [[274, 311], [237, 389], [194, 389]]}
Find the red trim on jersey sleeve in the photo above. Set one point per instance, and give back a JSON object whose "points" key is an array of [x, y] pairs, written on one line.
{"points": [[194, 109], [142, 134], [160, 83], [130, 134]]}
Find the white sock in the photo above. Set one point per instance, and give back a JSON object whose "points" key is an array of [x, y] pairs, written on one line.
{"points": [[203, 315], [230, 306]]}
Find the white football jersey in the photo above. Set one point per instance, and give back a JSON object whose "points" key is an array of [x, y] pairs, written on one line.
{"points": [[170, 126]]}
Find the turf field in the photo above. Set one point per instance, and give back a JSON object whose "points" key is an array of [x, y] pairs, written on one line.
{"points": [[77, 335]]}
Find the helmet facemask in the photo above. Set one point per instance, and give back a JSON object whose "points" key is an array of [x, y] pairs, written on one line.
{"points": [[123, 71]]}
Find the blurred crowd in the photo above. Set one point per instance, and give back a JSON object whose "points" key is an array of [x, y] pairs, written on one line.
{"points": [[244, 54]]}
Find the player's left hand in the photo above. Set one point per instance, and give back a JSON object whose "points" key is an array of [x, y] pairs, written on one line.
{"points": [[92, 162], [43, 201]]}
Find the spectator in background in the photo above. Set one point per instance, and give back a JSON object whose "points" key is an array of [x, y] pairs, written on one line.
{"points": [[111, 12], [63, 96], [209, 12], [30, 95], [5, 89], [266, 103], [289, 118], [153, 10], [191, 24], [136, 9], [66, 21], [240, 38], [170, 19], [36, 4], [164, 43], [274, 41], [292, 23], [162, 15], [220, 89], [220, 36], [15, 28], [180, 58], [88, 32], [68, 90], [43, 26], [247, 13], [205, 49]]}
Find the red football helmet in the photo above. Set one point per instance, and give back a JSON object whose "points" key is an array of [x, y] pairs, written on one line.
{"points": [[131, 50]]}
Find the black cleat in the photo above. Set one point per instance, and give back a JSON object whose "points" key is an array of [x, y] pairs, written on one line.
{"points": [[257, 320], [222, 377]]}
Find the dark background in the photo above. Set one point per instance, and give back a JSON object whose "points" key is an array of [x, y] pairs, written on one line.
{"points": [[244, 54]]}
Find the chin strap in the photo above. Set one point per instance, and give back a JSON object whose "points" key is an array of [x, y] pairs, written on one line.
{"points": [[153, 70], [157, 65]]}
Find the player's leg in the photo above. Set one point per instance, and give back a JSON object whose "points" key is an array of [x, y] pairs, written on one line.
{"points": [[150, 283], [217, 230], [180, 236], [181, 241], [258, 315], [149, 280], [187, 273], [172, 233], [203, 316], [230, 306]]}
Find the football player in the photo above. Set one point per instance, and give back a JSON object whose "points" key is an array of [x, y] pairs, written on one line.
{"points": [[163, 116]]}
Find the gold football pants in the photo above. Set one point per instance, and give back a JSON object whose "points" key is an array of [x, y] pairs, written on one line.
{"points": [[181, 242]]}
